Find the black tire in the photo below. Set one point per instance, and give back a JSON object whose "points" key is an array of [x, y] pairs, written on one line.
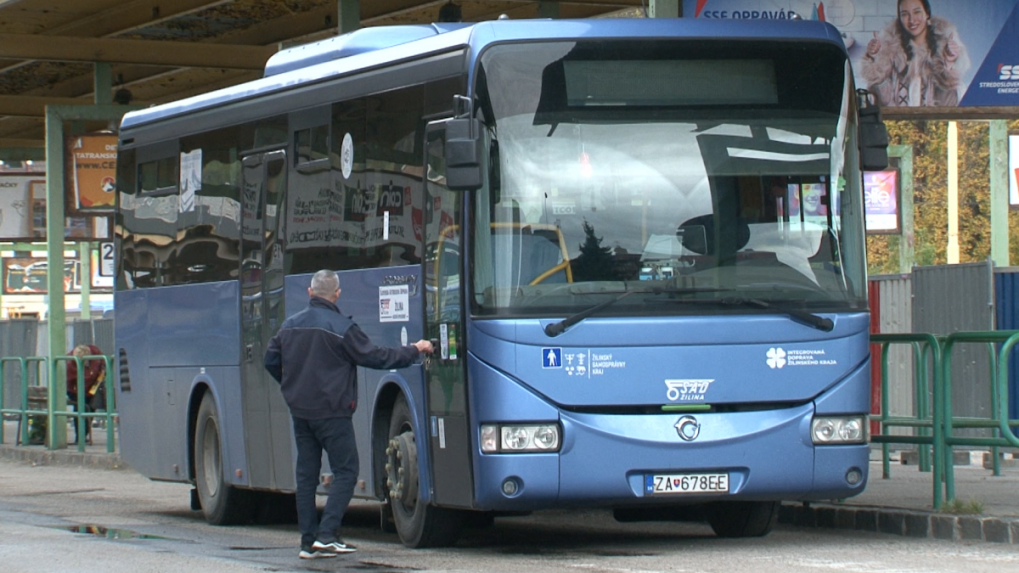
{"points": [[743, 518], [418, 524], [478, 519], [221, 503], [386, 518]]}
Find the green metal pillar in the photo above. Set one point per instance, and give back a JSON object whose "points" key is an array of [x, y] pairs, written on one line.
{"points": [[548, 9], [665, 9], [103, 80], [85, 258], [348, 15], [907, 243], [56, 115], [999, 192], [55, 270]]}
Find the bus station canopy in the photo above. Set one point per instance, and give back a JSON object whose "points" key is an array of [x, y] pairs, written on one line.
{"points": [[165, 50]]}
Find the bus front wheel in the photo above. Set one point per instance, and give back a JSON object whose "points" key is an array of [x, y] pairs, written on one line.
{"points": [[417, 523], [221, 503], [743, 518]]}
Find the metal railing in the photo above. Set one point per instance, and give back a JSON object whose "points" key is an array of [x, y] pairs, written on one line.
{"points": [[926, 349], [999, 344], [30, 407], [934, 424]]}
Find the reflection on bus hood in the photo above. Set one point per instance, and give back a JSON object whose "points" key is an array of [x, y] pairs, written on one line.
{"points": [[672, 361]]}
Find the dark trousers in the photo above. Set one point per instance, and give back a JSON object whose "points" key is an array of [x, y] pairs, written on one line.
{"points": [[73, 402], [336, 437]]}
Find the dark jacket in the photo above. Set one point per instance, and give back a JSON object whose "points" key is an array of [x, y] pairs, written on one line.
{"points": [[315, 355]]}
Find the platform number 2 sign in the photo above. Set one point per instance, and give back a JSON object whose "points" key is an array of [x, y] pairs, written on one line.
{"points": [[106, 260]]}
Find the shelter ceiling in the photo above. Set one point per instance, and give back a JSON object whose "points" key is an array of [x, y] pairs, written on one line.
{"points": [[164, 50]]}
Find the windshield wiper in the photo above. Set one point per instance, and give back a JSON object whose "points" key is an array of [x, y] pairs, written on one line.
{"points": [[557, 328], [801, 316]]}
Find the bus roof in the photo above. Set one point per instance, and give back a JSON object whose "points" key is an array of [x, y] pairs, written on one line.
{"points": [[373, 48]]}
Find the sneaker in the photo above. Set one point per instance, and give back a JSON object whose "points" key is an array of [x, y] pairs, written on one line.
{"points": [[307, 552], [334, 548]]}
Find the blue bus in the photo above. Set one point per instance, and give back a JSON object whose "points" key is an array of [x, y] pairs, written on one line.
{"points": [[639, 245]]}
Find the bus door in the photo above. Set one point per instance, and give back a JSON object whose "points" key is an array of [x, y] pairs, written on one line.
{"points": [[267, 430], [445, 373]]}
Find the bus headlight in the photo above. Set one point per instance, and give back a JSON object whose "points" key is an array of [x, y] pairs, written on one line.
{"points": [[512, 438], [838, 430]]}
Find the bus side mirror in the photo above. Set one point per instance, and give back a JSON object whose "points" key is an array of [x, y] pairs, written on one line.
{"points": [[463, 154], [873, 135]]}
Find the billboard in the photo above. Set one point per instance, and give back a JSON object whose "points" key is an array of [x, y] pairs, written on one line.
{"points": [[1013, 171], [22, 207], [93, 170], [967, 54], [27, 275], [881, 201]]}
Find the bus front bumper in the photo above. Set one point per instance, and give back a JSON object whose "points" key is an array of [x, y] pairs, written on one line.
{"points": [[627, 460]]}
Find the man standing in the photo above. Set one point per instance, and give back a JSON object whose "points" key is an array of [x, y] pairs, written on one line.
{"points": [[314, 357]]}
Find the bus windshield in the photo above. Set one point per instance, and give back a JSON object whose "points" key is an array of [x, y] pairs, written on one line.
{"points": [[693, 173]]}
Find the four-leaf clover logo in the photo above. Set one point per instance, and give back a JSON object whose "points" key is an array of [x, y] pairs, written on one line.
{"points": [[776, 357]]}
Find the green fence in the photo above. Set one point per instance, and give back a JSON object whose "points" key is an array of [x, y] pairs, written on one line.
{"points": [[39, 402], [934, 423]]}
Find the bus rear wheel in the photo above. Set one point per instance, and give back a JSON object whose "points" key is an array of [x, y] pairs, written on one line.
{"points": [[743, 518], [221, 503], [417, 523]]}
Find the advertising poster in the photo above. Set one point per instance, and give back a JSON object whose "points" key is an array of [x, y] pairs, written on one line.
{"points": [[881, 201], [1013, 171], [27, 275], [93, 163], [15, 207], [970, 56]]}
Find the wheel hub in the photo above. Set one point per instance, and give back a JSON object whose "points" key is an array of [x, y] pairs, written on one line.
{"points": [[401, 469]]}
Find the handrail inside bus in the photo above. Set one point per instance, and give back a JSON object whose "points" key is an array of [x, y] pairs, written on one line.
{"points": [[452, 230]]}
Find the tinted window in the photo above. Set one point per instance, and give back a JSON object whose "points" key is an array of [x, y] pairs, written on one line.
{"points": [[207, 249], [147, 219], [366, 210]]}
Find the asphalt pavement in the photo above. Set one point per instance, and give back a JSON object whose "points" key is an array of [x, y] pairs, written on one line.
{"points": [[986, 507]]}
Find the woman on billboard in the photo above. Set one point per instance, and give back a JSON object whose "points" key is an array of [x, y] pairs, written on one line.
{"points": [[917, 60]]}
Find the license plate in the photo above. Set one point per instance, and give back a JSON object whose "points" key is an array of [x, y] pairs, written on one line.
{"points": [[686, 483]]}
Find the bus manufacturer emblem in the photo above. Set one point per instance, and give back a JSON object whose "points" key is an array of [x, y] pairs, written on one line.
{"points": [[688, 428], [687, 390]]}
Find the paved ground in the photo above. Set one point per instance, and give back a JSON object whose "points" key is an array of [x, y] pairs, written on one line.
{"points": [[987, 506]]}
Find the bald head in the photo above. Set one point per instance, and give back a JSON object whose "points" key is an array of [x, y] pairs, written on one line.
{"points": [[325, 284]]}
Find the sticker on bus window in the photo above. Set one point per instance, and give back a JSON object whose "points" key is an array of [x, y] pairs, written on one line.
{"points": [[347, 155], [394, 303]]}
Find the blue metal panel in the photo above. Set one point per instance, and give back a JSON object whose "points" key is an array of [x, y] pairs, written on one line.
{"points": [[199, 324], [170, 335], [605, 459], [357, 42], [1006, 302], [851, 395], [830, 466], [622, 449], [620, 360], [480, 35], [138, 446]]}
